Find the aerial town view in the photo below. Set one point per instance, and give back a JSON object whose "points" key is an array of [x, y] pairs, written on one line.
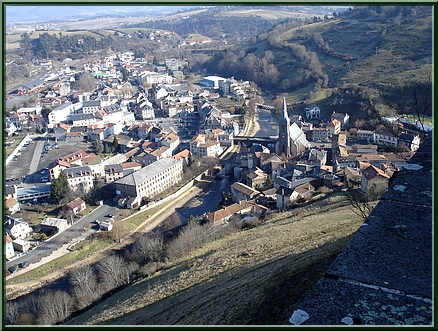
{"points": [[264, 165]]}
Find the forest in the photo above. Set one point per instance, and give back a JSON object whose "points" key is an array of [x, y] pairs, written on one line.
{"points": [[52, 46]]}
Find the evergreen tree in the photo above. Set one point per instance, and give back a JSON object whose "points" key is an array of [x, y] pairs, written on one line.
{"points": [[115, 144], [59, 187], [98, 146], [124, 74], [192, 221], [189, 160], [106, 149]]}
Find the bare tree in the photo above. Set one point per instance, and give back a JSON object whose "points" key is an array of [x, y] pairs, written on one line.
{"points": [[190, 237], [149, 248], [30, 304], [86, 82], [119, 229], [84, 285], [12, 312], [28, 310], [359, 205], [114, 271], [55, 306], [278, 104]]}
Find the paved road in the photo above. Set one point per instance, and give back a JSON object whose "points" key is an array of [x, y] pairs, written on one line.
{"points": [[75, 231]]}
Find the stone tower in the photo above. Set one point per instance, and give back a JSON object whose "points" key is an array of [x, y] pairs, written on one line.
{"points": [[283, 145]]}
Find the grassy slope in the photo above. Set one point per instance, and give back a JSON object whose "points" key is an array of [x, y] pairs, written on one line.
{"points": [[252, 277]]}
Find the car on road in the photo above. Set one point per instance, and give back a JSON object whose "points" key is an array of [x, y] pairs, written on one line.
{"points": [[12, 270], [109, 215]]}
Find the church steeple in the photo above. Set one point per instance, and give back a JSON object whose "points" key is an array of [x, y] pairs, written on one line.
{"points": [[285, 115], [283, 145]]}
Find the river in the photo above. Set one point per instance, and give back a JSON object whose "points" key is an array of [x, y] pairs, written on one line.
{"points": [[208, 200]]}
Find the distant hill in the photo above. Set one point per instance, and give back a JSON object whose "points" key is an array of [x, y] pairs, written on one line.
{"points": [[367, 50], [53, 13]]}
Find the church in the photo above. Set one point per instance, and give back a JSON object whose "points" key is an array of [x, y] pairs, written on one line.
{"points": [[291, 139]]}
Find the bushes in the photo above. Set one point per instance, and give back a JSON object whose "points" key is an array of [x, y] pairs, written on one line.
{"points": [[90, 283], [194, 236]]}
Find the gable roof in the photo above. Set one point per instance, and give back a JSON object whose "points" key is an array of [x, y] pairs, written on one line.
{"points": [[244, 189], [75, 203], [128, 165], [10, 222], [10, 202], [182, 155], [372, 172], [229, 211]]}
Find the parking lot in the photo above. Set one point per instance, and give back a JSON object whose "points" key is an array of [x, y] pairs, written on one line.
{"points": [[35, 152]]}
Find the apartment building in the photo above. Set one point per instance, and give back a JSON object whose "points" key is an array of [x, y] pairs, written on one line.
{"points": [[150, 180]]}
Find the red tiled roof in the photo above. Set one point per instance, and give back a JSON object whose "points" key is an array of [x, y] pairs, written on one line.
{"points": [[182, 155], [229, 211], [75, 203], [130, 165], [372, 172]]}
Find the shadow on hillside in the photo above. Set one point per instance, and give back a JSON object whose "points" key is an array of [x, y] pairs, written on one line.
{"points": [[263, 293]]}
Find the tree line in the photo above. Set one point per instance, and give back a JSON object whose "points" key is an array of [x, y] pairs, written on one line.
{"points": [[50, 46], [211, 24], [88, 284]]}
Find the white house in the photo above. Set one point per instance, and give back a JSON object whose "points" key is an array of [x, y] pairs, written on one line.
{"points": [[61, 114], [90, 106], [384, 137], [82, 119], [80, 178], [365, 135], [9, 247], [17, 227], [411, 141], [202, 145], [314, 112]]}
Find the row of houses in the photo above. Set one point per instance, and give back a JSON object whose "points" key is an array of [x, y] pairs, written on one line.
{"points": [[279, 183], [17, 230], [382, 136]]}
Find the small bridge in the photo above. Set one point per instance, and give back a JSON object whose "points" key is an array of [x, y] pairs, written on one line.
{"points": [[259, 105], [249, 141]]}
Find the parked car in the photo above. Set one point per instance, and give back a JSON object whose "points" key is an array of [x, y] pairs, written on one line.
{"points": [[23, 264], [12, 270], [109, 215]]}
